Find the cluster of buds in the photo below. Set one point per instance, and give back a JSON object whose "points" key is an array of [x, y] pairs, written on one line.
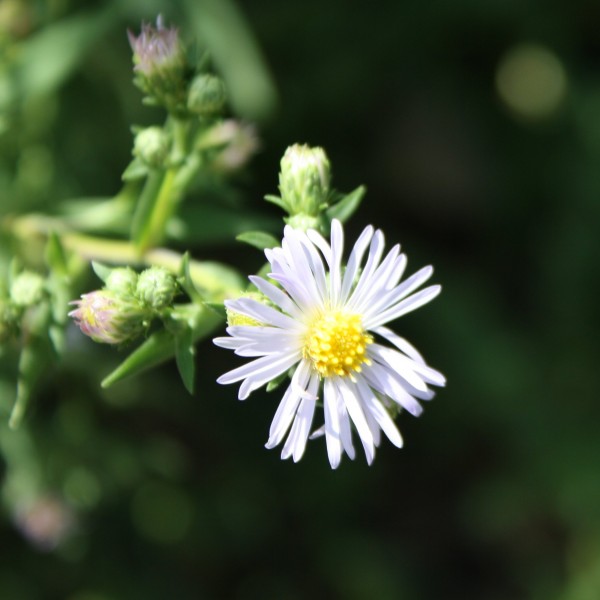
{"points": [[122, 310]]}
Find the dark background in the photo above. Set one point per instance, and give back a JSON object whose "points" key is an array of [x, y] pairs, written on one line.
{"points": [[476, 128]]}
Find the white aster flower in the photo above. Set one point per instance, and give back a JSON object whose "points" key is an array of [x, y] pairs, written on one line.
{"points": [[326, 326]]}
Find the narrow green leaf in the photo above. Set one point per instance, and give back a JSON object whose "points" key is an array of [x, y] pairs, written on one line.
{"points": [[259, 239], [277, 201], [55, 255], [102, 271], [346, 207], [232, 46], [188, 283], [218, 308], [52, 54], [275, 383], [184, 356], [136, 169], [160, 347]]}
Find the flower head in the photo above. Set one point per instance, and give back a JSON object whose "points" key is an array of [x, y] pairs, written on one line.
{"points": [[328, 329]]}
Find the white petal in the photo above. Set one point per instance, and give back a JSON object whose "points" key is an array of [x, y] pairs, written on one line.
{"points": [[296, 442], [277, 296], [375, 252], [399, 342], [409, 304], [385, 382], [355, 410], [399, 364], [345, 430], [380, 414], [262, 313], [354, 262], [332, 424], [262, 369], [289, 403]]}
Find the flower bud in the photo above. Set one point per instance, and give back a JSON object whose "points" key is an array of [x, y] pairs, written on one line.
{"points": [[160, 63], [27, 289], [107, 318], [206, 95], [304, 180], [156, 288], [151, 146], [122, 281]]}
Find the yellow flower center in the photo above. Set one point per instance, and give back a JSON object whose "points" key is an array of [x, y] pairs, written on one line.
{"points": [[336, 344]]}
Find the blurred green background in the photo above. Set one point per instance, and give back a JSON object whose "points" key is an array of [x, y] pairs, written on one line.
{"points": [[476, 128]]}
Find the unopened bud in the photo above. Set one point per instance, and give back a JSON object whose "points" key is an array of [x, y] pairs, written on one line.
{"points": [[206, 95], [156, 288], [122, 281], [107, 318], [151, 146], [160, 64], [304, 180], [27, 289]]}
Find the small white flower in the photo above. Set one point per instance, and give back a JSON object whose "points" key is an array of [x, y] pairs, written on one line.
{"points": [[327, 329]]}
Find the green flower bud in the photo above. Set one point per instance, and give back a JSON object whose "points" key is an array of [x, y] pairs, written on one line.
{"points": [[304, 180], [27, 289], [207, 95], [123, 282], [151, 146], [156, 288], [107, 318]]}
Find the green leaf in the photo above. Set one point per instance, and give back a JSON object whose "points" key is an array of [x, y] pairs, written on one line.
{"points": [[275, 383], [161, 346], [55, 52], [184, 356], [158, 348], [188, 284], [223, 28], [136, 169], [55, 255], [102, 271], [218, 308], [259, 239], [277, 200], [345, 208]]}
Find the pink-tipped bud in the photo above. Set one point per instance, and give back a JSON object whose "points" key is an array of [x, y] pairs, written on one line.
{"points": [[108, 319], [156, 50]]}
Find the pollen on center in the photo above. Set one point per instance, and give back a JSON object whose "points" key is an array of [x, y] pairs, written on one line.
{"points": [[336, 344]]}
